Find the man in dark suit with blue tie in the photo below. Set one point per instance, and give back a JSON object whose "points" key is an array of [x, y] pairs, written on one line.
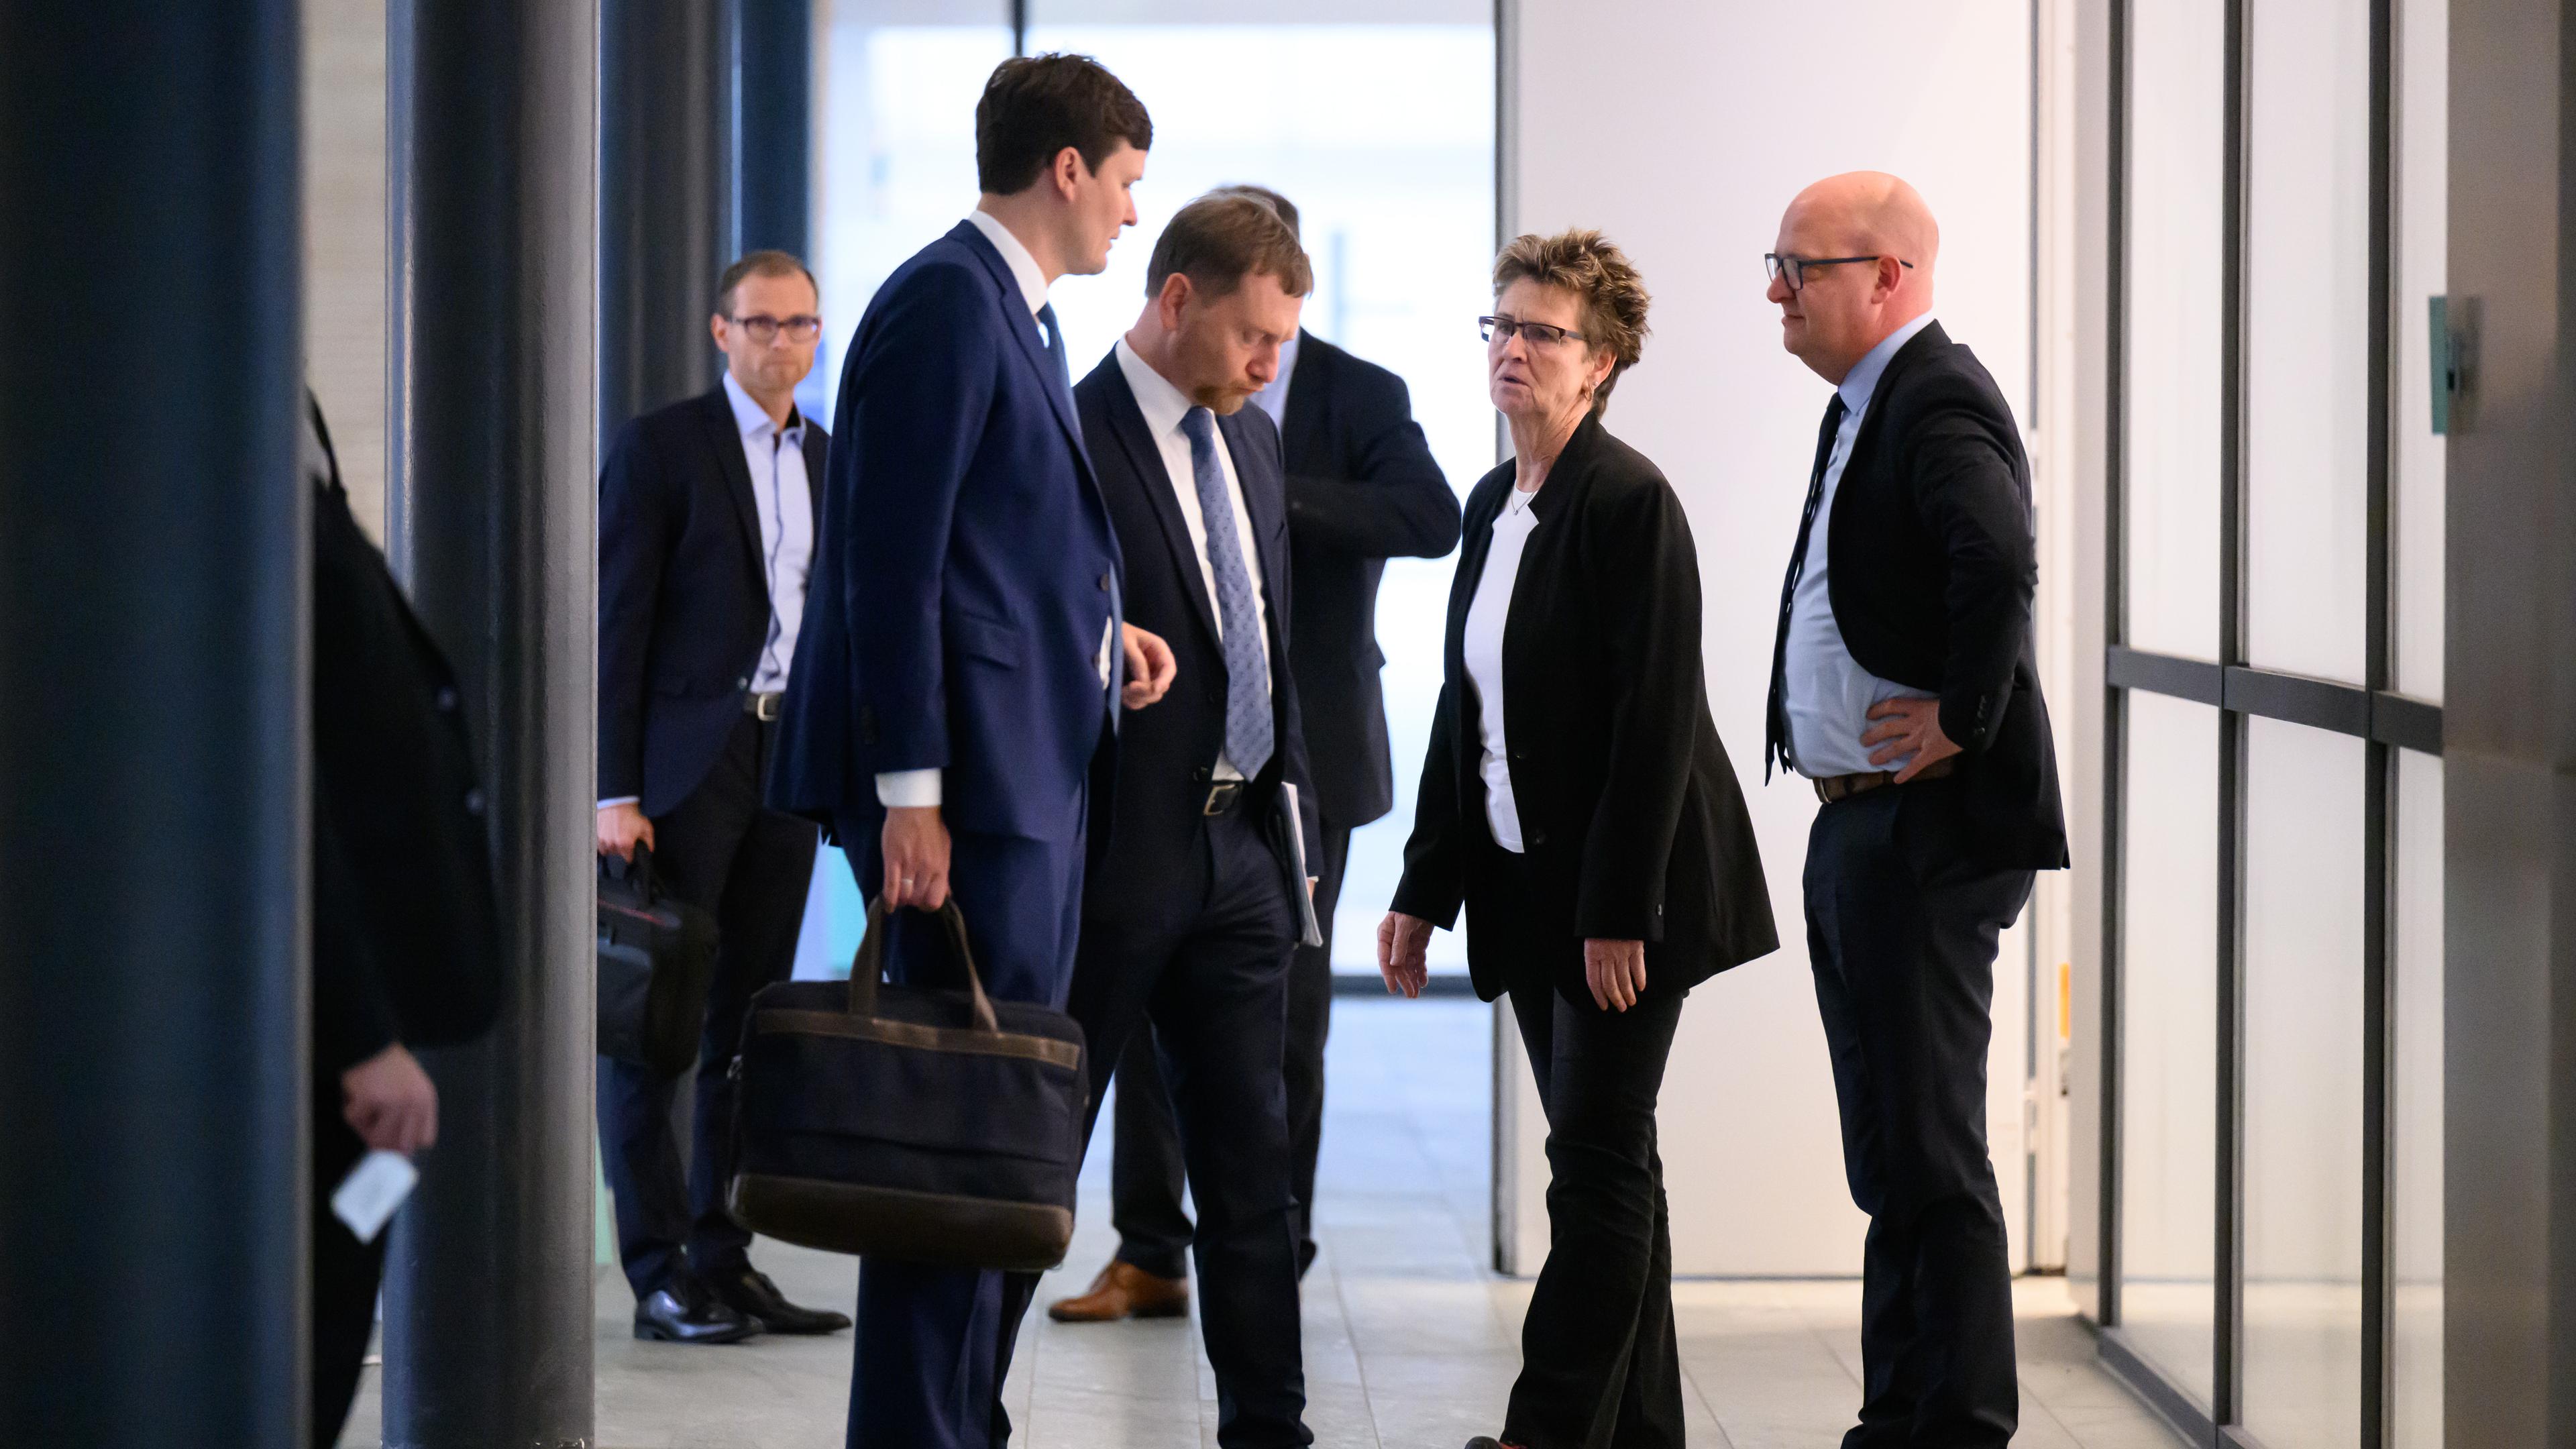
{"points": [[706, 533], [1190, 916], [955, 683]]}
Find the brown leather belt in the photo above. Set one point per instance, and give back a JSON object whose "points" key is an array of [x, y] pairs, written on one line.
{"points": [[1834, 788]]}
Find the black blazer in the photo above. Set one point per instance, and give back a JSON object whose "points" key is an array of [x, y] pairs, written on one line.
{"points": [[1932, 566], [406, 931], [683, 595], [1167, 751], [1362, 489], [1629, 810]]}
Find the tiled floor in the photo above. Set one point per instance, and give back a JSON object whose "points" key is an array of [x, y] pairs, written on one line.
{"points": [[1410, 1342]]}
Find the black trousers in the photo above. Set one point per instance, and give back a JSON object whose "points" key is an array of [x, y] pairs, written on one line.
{"points": [[1901, 930], [1145, 1172], [346, 1274], [722, 850], [1600, 1365], [1210, 978]]}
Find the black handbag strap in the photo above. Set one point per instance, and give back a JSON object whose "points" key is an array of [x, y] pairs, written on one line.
{"points": [[870, 963]]}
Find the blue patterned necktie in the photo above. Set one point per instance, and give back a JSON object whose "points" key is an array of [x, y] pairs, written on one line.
{"points": [[1247, 673]]}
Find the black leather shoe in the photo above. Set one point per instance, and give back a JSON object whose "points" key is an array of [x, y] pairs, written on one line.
{"points": [[672, 1317], [751, 1294], [1483, 1441]]}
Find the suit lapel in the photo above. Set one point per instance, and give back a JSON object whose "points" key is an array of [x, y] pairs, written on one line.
{"points": [[1916, 348], [1309, 389], [725, 436], [815, 457], [1145, 462], [1023, 325]]}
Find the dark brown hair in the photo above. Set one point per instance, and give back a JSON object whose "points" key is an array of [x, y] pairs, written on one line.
{"points": [[760, 264], [1036, 105], [1287, 209], [1222, 238], [1593, 268]]}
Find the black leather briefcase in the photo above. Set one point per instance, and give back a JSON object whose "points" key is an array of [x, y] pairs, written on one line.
{"points": [[656, 955], [906, 1122]]}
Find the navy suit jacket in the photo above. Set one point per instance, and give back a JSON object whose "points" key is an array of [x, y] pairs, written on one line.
{"points": [[1167, 753], [683, 595], [966, 570], [1362, 488]]}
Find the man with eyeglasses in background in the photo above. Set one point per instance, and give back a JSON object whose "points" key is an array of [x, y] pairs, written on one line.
{"points": [[707, 518]]}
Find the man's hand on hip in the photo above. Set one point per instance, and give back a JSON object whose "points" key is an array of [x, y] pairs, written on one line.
{"points": [[622, 827], [916, 858], [1150, 667], [1908, 727], [390, 1102]]}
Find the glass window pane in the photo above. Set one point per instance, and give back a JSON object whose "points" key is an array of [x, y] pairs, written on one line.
{"points": [[2416, 1082], [2423, 171], [2307, 337], [2177, 99], [2169, 1035], [2303, 1085]]}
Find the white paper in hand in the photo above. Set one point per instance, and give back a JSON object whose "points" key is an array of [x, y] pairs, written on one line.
{"points": [[367, 1197]]}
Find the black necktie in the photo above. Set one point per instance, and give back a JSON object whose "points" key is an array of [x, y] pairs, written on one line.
{"points": [[1777, 751], [1055, 345]]}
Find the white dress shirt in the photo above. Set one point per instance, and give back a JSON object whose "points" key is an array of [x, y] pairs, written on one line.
{"points": [[1164, 407], [782, 497], [1274, 398], [1828, 695], [921, 788], [1488, 614]]}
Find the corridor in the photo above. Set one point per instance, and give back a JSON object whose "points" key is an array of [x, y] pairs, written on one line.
{"points": [[1410, 1341]]}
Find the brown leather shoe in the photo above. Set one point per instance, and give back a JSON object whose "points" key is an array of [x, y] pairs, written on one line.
{"points": [[1124, 1290]]}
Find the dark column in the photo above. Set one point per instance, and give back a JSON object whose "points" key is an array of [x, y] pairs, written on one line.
{"points": [[774, 78], [2509, 737], [152, 728], [488, 511], [666, 187]]}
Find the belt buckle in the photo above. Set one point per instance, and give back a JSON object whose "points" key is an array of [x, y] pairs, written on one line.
{"points": [[765, 706], [1221, 797]]}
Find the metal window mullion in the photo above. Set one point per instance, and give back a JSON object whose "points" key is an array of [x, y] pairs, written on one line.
{"points": [[2378, 813], [2114, 631], [2228, 1215]]}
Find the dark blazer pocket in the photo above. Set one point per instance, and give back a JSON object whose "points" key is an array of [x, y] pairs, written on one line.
{"points": [[986, 640]]}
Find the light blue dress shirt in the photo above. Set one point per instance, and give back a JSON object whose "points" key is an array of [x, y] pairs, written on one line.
{"points": [[1828, 694], [1274, 398]]}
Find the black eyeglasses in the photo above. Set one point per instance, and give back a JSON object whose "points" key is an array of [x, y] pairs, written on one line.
{"points": [[764, 329], [1796, 267], [1539, 332]]}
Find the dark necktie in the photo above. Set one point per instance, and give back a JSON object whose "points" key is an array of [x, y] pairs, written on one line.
{"points": [[1055, 346], [1247, 673], [1778, 751]]}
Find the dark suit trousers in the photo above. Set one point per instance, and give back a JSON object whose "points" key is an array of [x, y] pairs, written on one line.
{"points": [[934, 1344], [721, 850], [1210, 976], [1600, 1366], [346, 1273], [1902, 930], [1145, 1173]]}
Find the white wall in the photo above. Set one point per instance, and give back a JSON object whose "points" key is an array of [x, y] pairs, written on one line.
{"points": [[1682, 128]]}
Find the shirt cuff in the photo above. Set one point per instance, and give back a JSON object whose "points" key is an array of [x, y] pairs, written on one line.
{"points": [[622, 800], [908, 789]]}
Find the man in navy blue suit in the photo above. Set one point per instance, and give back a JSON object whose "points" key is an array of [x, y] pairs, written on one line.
{"points": [[706, 533], [1190, 916], [955, 683]]}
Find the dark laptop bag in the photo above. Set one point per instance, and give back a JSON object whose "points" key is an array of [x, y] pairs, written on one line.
{"points": [[909, 1122], [656, 956]]}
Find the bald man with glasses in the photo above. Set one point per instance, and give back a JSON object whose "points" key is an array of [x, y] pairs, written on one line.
{"points": [[1905, 688]]}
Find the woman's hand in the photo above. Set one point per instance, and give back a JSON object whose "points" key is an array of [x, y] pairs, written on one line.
{"points": [[1616, 972], [1403, 953]]}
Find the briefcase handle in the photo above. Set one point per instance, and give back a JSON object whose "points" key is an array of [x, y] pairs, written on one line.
{"points": [[870, 963]]}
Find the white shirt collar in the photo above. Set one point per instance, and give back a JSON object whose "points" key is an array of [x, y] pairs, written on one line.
{"points": [[753, 420], [1024, 268], [1862, 380], [1162, 404]]}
